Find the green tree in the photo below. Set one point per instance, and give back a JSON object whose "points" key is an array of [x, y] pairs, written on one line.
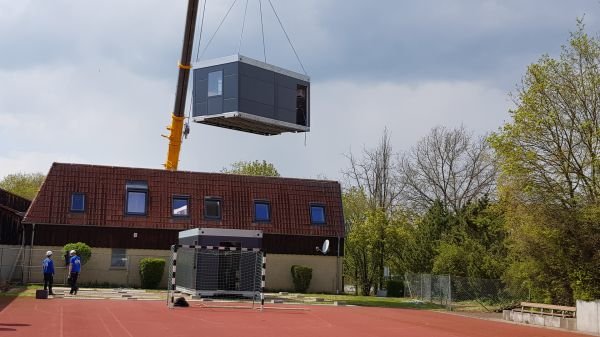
{"points": [[426, 237], [362, 251], [373, 174], [550, 174], [373, 240], [25, 185], [81, 249], [475, 245], [252, 168]]}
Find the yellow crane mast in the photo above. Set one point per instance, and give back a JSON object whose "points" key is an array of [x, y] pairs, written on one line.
{"points": [[178, 116]]}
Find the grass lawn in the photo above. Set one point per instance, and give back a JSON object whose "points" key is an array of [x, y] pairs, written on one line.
{"points": [[364, 301], [22, 290], [372, 301]]}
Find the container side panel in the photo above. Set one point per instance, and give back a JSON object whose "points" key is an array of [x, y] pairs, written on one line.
{"points": [[200, 109], [288, 82], [256, 72], [257, 90], [286, 98], [230, 87], [229, 69], [215, 105], [230, 105], [257, 109], [286, 115]]}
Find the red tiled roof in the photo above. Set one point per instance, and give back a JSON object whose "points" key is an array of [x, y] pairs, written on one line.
{"points": [[104, 188]]}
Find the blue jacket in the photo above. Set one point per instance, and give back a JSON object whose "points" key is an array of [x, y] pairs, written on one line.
{"points": [[48, 266], [75, 264]]}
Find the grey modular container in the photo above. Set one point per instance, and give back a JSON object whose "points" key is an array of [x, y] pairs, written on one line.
{"points": [[240, 93], [219, 272]]}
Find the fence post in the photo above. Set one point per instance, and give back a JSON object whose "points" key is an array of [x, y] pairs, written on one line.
{"points": [[449, 292], [422, 281]]}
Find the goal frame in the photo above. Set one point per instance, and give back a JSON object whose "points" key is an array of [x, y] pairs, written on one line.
{"points": [[172, 282]]}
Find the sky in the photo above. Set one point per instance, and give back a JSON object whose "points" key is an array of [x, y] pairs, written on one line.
{"points": [[94, 81]]}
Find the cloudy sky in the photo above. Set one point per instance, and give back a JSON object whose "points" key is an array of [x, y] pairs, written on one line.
{"points": [[94, 81]]}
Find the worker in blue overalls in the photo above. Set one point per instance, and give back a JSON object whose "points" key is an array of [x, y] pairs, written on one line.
{"points": [[74, 270], [48, 270]]}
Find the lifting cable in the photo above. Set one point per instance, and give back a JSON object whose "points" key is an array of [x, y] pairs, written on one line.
{"points": [[243, 25], [287, 37], [218, 27], [201, 29], [289, 40], [262, 28]]}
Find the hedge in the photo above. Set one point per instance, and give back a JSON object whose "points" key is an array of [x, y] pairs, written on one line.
{"points": [[151, 272], [301, 275], [82, 250], [395, 288]]}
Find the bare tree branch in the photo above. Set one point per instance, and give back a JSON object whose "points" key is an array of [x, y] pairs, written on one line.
{"points": [[447, 165]]}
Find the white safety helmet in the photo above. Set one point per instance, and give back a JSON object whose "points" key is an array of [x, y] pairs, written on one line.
{"points": [[49, 253], [73, 252]]}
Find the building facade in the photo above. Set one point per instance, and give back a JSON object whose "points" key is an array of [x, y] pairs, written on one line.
{"points": [[122, 212], [12, 233], [12, 210]]}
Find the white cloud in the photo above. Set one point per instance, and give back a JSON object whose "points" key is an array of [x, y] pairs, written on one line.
{"points": [[116, 116], [94, 82], [349, 115]]}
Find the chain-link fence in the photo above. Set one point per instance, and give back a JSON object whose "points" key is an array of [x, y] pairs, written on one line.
{"points": [[106, 267], [462, 293]]}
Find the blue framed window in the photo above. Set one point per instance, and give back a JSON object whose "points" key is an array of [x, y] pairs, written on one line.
{"points": [[317, 214], [77, 202], [262, 211], [181, 206], [212, 208], [215, 83], [136, 201]]}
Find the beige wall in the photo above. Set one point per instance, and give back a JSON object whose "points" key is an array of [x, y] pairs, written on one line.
{"points": [[326, 275], [96, 270]]}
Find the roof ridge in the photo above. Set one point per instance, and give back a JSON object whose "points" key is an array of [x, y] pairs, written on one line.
{"points": [[193, 172]]}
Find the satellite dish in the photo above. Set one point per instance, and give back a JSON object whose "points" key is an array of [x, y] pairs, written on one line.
{"points": [[324, 249]]}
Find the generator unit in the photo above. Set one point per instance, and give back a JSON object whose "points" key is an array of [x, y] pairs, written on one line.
{"points": [[241, 93]]}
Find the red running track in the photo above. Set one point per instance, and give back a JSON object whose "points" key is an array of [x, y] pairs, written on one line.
{"points": [[88, 318]]}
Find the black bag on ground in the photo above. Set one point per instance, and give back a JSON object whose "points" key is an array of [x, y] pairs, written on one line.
{"points": [[181, 302], [41, 294]]}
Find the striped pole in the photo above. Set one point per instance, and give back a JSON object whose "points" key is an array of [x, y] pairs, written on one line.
{"points": [[263, 280]]}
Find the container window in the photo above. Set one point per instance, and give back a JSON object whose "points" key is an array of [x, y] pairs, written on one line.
{"points": [[215, 83], [317, 214], [118, 258], [262, 211], [181, 205], [77, 202], [212, 208]]}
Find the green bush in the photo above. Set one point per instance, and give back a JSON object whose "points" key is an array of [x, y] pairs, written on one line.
{"points": [[83, 251], [301, 276], [395, 288], [151, 272]]}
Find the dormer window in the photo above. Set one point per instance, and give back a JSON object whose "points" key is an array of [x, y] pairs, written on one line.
{"points": [[317, 214], [137, 198], [78, 202]]}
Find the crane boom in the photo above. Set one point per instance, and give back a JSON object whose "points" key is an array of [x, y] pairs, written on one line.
{"points": [[176, 127]]}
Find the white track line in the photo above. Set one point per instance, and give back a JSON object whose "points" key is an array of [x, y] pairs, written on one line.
{"points": [[119, 322]]}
